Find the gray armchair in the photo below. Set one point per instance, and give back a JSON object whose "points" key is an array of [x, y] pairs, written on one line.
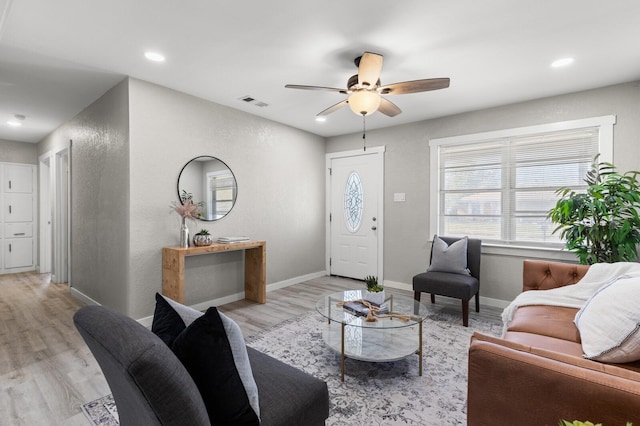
{"points": [[150, 385], [459, 286]]}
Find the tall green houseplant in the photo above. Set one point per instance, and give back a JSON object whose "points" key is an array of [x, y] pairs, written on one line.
{"points": [[602, 224]]}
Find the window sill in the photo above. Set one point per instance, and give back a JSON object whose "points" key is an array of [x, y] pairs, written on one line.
{"points": [[550, 253]]}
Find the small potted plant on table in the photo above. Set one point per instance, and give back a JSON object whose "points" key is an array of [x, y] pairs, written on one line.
{"points": [[202, 238], [374, 292]]}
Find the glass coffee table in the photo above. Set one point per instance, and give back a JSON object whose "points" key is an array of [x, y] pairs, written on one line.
{"points": [[390, 338]]}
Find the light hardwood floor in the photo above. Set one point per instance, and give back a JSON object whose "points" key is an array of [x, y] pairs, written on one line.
{"points": [[47, 372]]}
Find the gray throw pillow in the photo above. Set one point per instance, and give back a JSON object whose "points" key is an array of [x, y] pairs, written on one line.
{"points": [[449, 258]]}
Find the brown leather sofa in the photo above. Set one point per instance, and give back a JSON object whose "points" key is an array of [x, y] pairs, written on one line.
{"points": [[536, 374]]}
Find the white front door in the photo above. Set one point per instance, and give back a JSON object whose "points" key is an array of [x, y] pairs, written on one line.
{"points": [[355, 212]]}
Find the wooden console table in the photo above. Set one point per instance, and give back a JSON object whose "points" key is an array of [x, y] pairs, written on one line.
{"points": [[255, 268]]}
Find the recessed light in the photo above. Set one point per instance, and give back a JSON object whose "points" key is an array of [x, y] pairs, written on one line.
{"points": [[563, 62], [14, 123], [321, 119], [154, 56]]}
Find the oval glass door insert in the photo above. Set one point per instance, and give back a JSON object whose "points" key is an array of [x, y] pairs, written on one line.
{"points": [[353, 202]]}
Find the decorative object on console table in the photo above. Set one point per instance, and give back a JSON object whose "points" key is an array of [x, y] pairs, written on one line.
{"points": [[186, 209], [202, 238], [600, 225], [374, 292], [230, 240]]}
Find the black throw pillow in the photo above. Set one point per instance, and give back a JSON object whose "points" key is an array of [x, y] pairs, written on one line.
{"points": [[167, 324], [204, 350]]}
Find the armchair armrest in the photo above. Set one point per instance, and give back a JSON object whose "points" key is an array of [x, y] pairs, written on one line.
{"points": [[510, 383]]}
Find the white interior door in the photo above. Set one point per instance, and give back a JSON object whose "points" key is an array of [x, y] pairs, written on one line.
{"points": [[355, 211]]}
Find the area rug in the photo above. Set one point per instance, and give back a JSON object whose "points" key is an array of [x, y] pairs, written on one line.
{"points": [[375, 394]]}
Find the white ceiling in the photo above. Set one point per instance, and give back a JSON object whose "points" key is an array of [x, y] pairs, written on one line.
{"points": [[56, 57]]}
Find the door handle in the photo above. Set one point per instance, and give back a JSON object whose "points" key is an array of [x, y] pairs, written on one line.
{"points": [[9, 184], [18, 233], [9, 247], [9, 208], [374, 228]]}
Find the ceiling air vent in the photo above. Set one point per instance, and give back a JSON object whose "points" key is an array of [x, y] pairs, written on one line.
{"points": [[248, 99]]}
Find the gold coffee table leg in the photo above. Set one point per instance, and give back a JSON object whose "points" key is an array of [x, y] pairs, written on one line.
{"points": [[342, 357], [420, 350]]}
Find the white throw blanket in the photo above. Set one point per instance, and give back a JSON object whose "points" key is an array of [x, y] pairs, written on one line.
{"points": [[573, 296]]}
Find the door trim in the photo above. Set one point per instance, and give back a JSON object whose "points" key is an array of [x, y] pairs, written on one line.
{"points": [[45, 228], [379, 152]]}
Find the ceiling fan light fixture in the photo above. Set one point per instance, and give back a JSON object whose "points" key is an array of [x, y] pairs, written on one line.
{"points": [[364, 102]]}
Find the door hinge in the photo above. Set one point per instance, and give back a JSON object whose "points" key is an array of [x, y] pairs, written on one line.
{"points": [[330, 171], [329, 217], [329, 261]]}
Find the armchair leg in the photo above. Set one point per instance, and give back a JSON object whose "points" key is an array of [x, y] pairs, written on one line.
{"points": [[416, 295], [433, 298], [465, 313], [478, 302]]}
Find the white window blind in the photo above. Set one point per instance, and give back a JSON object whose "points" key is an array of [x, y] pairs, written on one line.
{"points": [[500, 189]]}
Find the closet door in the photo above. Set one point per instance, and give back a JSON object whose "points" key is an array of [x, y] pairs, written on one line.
{"points": [[18, 178], [18, 253], [18, 208]]}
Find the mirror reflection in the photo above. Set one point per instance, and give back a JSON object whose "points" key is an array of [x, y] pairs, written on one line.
{"points": [[211, 183]]}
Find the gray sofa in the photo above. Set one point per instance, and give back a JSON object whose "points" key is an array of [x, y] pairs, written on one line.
{"points": [[150, 385]]}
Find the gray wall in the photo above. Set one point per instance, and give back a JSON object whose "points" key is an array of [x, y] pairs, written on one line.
{"points": [[280, 176], [406, 237], [100, 213], [18, 152]]}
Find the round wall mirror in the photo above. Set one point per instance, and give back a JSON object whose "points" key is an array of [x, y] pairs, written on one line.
{"points": [[210, 183]]}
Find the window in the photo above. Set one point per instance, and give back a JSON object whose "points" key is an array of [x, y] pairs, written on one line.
{"points": [[221, 193], [499, 186]]}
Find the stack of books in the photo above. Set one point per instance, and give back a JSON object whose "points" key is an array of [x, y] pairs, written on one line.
{"points": [[360, 309], [227, 240]]}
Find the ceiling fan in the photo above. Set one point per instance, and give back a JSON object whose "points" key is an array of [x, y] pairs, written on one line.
{"points": [[364, 89]]}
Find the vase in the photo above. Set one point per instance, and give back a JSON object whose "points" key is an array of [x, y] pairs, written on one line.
{"points": [[377, 298], [184, 234]]}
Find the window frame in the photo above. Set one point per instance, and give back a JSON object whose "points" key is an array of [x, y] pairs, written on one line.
{"points": [[605, 148]]}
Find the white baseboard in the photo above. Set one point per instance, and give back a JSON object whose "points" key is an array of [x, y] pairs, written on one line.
{"points": [[488, 301], [146, 321], [398, 285], [83, 297]]}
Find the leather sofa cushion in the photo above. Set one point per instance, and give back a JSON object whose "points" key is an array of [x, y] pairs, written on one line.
{"points": [[628, 371], [545, 342], [551, 321]]}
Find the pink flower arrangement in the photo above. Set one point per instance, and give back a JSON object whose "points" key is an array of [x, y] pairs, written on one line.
{"points": [[187, 209]]}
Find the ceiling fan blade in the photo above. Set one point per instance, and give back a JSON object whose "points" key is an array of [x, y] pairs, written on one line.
{"points": [[369, 69], [414, 86], [330, 89], [388, 108], [332, 108]]}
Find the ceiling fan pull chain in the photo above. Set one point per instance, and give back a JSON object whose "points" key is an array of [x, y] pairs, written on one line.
{"points": [[364, 132]]}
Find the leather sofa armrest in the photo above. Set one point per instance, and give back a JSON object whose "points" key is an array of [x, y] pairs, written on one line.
{"points": [[544, 275], [510, 383]]}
